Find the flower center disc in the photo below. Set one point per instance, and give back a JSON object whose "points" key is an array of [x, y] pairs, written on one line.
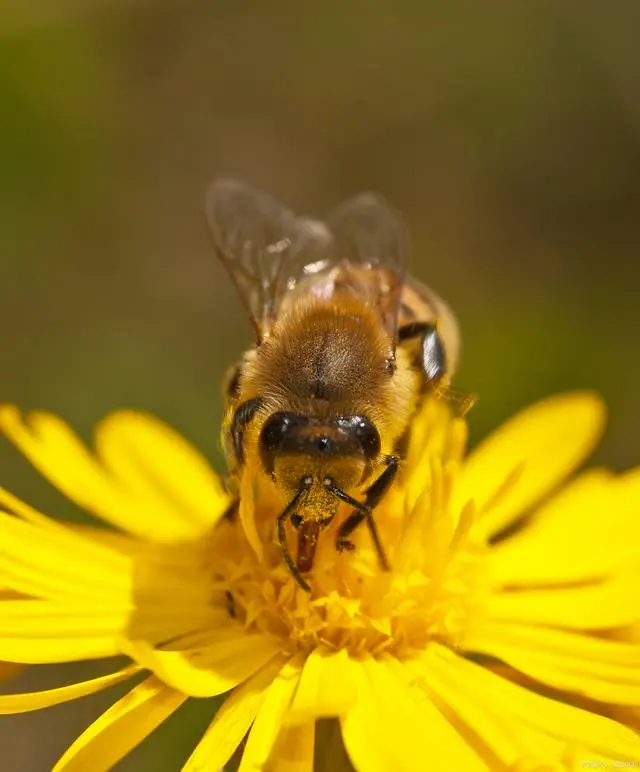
{"points": [[353, 603]]}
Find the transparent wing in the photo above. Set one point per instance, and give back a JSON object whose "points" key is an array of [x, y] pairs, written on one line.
{"points": [[269, 253], [370, 251], [310, 258], [253, 234]]}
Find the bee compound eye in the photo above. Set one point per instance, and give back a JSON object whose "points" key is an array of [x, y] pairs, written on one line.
{"points": [[276, 429], [324, 444], [363, 429]]}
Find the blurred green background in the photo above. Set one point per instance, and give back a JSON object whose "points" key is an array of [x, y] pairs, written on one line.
{"points": [[508, 133]]}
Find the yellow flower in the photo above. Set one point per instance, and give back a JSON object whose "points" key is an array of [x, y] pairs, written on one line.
{"points": [[424, 665]]}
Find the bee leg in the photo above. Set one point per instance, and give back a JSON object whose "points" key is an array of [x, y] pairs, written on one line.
{"points": [[346, 529], [241, 419], [231, 387], [231, 604], [413, 330], [349, 526], [231, 511], [364, 511], [282, 534]]}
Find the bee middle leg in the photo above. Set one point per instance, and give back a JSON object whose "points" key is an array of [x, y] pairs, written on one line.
{"points": [[364, 511]]}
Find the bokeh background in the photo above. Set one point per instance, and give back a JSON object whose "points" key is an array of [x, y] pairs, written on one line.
{"points": [[508, 133]]}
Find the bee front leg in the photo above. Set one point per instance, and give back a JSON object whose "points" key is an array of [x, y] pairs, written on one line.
{"points": [[364, 511], [282, 533], [242, 417]]}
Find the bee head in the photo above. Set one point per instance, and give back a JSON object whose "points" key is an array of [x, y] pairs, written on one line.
{"points": [[343, 448]]}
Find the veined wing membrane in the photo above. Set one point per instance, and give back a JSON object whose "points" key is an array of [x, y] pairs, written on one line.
{"points": [[371, 247], [269, 253], [252, 233]]}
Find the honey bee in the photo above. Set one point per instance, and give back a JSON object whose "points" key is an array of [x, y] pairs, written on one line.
{"points": [[347, 347]]}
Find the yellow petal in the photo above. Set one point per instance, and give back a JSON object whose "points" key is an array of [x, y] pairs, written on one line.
{"points": [[216, 668], [55, 580], [232, 721], [18, 507], [499, 733], [161, 589], [247, 512], [327, 687], [294, 750], [41, 651], [433, 435], [8, 594], [9, 670], [598, 606], [58, 561], [60, 455], [159, 466], [123, 726], [45, 622], [538, 448], [569, 724], [269, 718], [49, 619], [603, 670], [115, 540], [22, 703], [388, 729], [585, 532]]}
